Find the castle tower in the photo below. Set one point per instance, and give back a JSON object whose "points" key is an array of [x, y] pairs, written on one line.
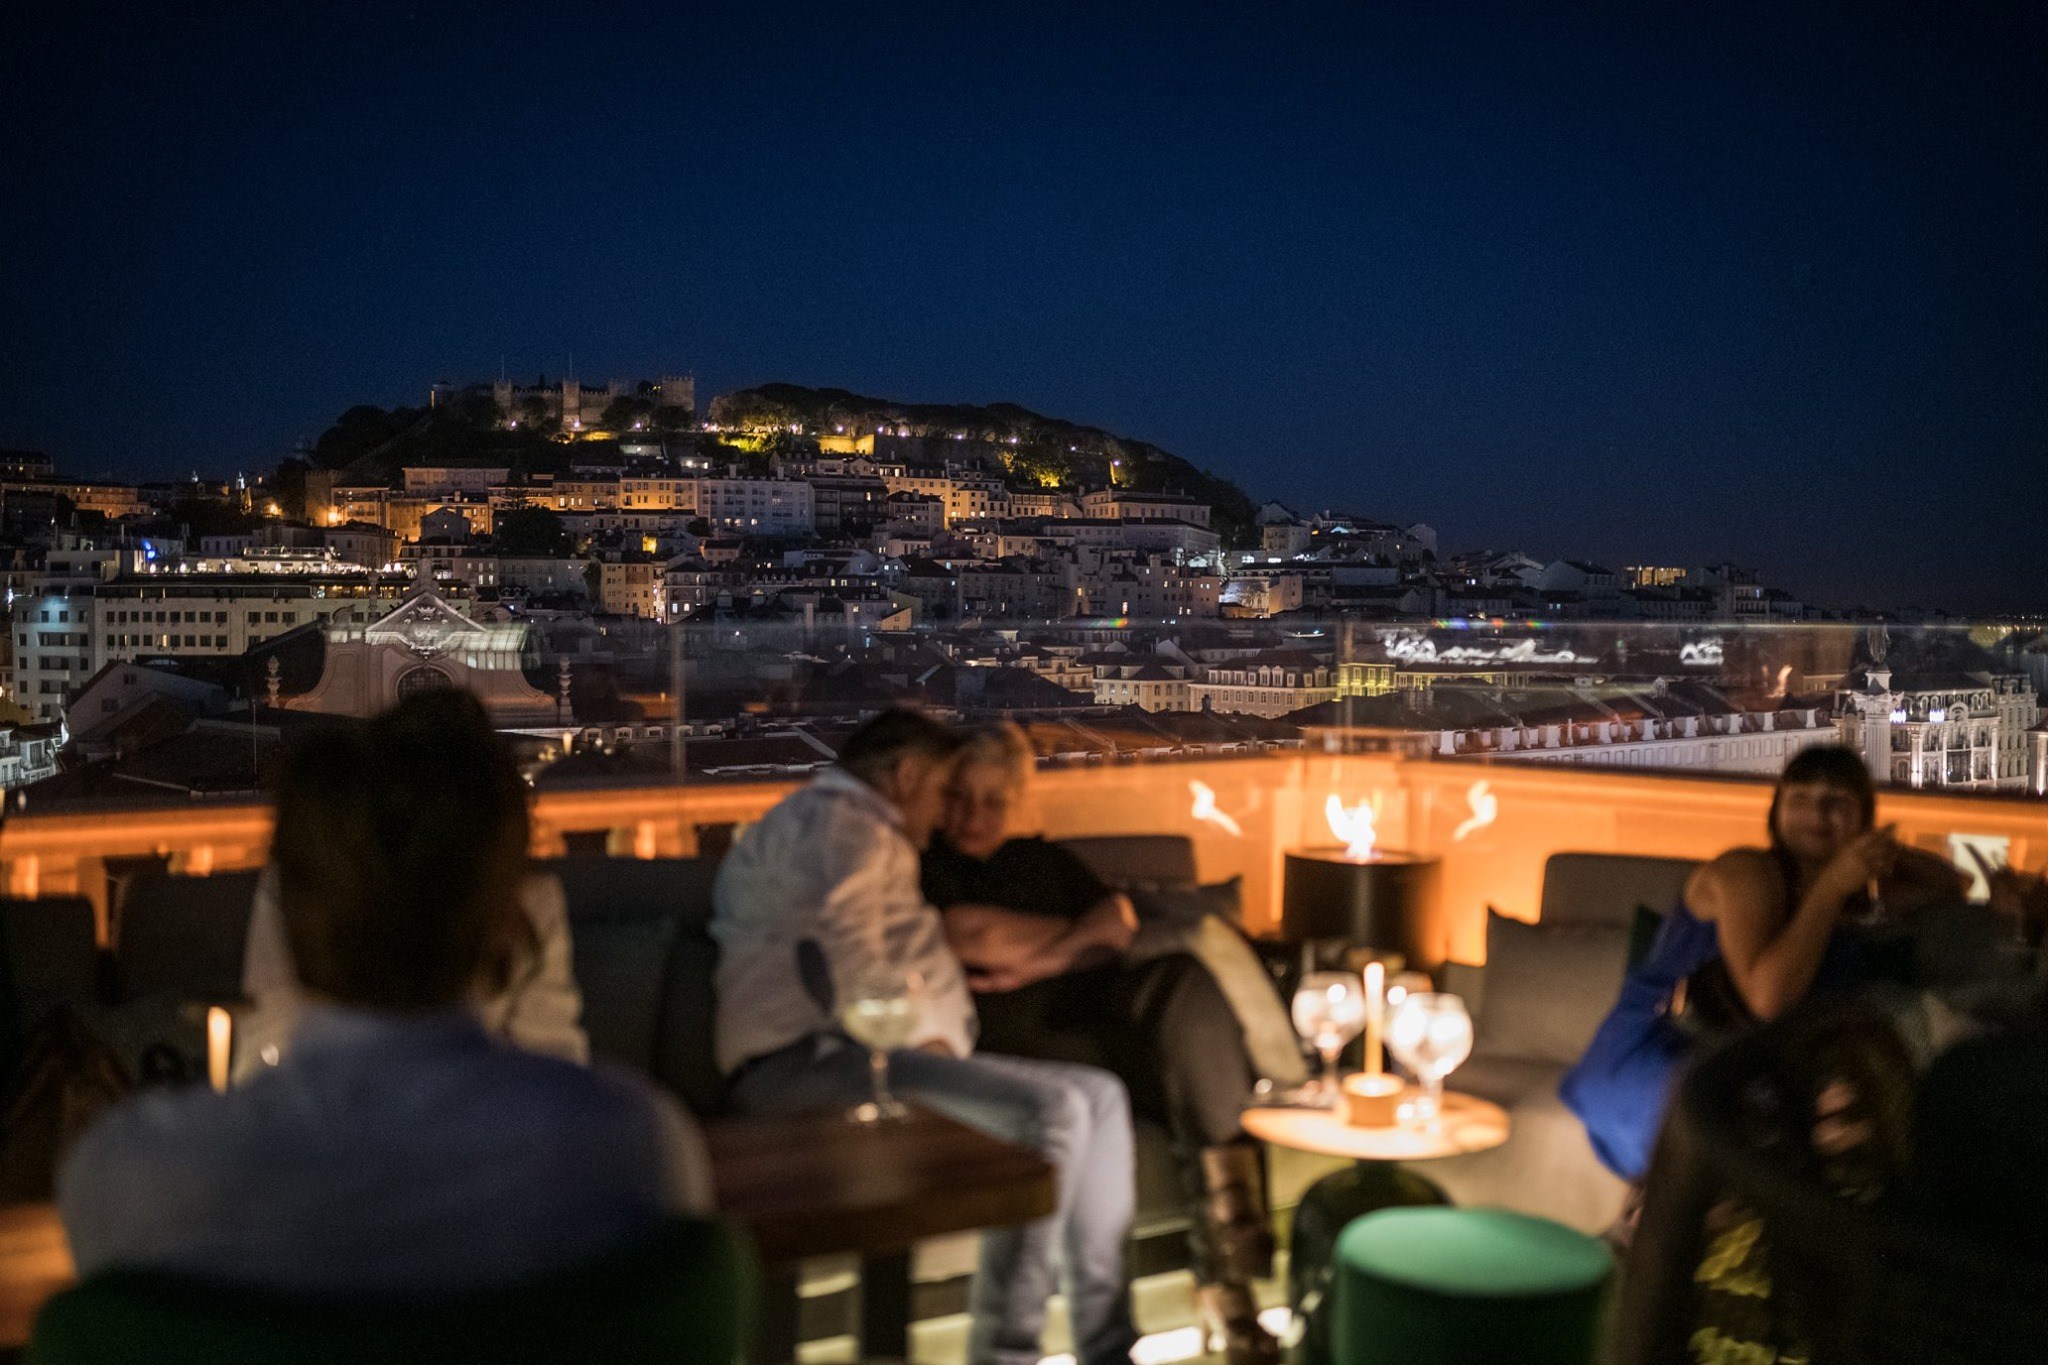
{"points": [[678, 391]]}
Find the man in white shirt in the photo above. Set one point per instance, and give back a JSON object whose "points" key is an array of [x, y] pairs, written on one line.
{"points": [[822, 895]]}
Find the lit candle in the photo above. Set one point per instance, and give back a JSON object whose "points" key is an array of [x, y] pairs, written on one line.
{"points": [[220, 1032], [1375, 1000]]}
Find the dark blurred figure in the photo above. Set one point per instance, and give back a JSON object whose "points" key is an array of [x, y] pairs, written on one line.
{"points": [[397, 1145]]}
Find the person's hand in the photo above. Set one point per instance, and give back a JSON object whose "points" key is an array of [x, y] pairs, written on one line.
{"points": [[1114, 924], [1867, 858], [1000, 979], [994, 980]]}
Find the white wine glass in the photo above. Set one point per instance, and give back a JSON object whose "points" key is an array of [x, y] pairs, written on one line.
{"points": [[880, 1013], [1329, 1011], [1431, 1035]]}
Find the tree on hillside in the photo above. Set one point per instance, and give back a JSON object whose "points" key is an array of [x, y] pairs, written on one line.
{"points": [[622, 413], [790, 445], [670, 419], [478, 407], [357, 432], [290, 487], [532, 531], [534, 415]]}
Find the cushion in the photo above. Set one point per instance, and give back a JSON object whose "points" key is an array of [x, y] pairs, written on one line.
{"points": [[1605, 888], [621, 968], [48, 959], [644, 959], [1548, 986], [183, 937], [1186, 906], [635, 888], [1547, 1166], [684, 1056], [1642, 932], [1127, 861]]}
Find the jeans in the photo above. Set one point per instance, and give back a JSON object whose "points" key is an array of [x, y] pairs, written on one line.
{"points": [[1077, 1117], [1166, 1028]]}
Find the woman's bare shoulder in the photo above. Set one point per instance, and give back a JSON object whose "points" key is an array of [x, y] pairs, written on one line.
{"points": [[1741, 875]]}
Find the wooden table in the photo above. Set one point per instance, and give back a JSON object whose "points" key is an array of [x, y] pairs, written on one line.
{"points": [[804, 1185], [1467, 1124], [816, 1185], [1376, 1180]]}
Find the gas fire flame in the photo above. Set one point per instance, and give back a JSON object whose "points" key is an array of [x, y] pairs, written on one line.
{"points": [[1353, 825], [1485, 810], [1206, 810], [1784, 679]]}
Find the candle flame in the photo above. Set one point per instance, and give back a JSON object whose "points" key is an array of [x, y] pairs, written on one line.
{"points": [[1375, 1004], [1353, 825], [1206, 810], [1485, 810]]}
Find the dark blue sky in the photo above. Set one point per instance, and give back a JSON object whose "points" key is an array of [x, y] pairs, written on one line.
{"points": [[1668, 282]]}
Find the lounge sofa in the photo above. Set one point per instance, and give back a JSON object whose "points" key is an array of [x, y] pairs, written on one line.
{"points": [[1535, 1004], [643, 957], [644, 960]]}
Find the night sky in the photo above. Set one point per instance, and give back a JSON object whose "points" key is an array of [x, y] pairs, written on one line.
{"points": [[1639, 282]]}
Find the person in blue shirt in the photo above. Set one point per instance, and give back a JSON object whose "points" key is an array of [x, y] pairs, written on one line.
{"points": [[397, 1145]]}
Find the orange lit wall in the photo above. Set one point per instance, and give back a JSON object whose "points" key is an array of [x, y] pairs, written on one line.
{"points": [[1262, 807]]}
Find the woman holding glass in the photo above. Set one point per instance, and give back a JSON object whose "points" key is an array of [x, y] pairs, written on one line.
{"points": [[1044, 944], [1757, 931]]}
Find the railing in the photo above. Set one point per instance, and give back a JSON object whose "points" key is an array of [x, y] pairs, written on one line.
{"points": [[1493, 824]]}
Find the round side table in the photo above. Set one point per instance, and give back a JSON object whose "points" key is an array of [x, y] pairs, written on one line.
{"points": [[1375, 1180]]}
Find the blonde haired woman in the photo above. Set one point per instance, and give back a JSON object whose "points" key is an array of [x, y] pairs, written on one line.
{"points": [[1048, 951]]}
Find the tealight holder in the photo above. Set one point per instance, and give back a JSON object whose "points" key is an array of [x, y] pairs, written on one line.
{"points": [[1372, 1101]]}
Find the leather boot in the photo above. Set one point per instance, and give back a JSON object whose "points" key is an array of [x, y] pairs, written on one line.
{"points": [[1238, 1238], [1231, 1311], [1238, 1225]]}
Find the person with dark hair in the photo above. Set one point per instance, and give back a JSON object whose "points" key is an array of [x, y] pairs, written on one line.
{"points": [[1757, 931], [529, 997], [817, 906], [397, 1146]]}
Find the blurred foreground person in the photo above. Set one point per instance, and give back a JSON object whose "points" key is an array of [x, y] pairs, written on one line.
{"points": [[397, 1145], [533, 1002]]}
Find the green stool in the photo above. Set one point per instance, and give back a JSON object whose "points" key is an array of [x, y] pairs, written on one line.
{"points": [[1467, 1286]]}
